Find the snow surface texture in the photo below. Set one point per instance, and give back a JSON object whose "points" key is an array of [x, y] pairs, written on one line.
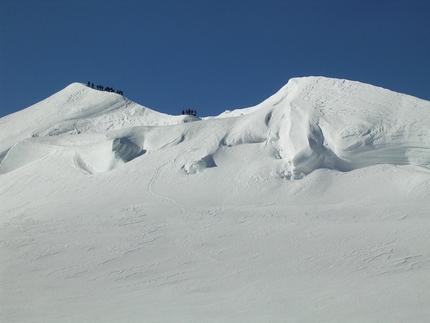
{"points": [[312, 206]]}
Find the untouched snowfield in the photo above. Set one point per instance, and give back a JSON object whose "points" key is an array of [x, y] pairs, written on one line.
{"points": [[313, 206]]}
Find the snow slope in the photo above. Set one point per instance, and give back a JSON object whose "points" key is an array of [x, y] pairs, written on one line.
{"points": [[311, 206]]}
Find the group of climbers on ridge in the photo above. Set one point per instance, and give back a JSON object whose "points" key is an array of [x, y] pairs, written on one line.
{"points": [[189, 112], [102, 88]]}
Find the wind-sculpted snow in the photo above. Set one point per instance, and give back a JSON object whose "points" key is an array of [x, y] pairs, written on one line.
{"points": [[310, 123], [327, 123], [112, 212]]}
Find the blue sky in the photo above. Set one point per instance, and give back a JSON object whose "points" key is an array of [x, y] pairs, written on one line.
{"points": [[208, 55]]}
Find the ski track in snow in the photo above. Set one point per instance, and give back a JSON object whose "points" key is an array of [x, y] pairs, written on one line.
{"points": [[163, 198], [312, 206]]}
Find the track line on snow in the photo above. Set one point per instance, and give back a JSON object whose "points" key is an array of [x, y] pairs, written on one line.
{"points": [[165, 199]]}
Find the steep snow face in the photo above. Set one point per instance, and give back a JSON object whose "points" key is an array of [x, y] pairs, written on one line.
{"points": [[317, 122], [310, 123]]}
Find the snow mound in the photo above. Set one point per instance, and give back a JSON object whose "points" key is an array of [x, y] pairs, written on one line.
{"points": [[310, 123], [317, 122], [107, 156], [365, 126], [94, 154], [200, 165]]}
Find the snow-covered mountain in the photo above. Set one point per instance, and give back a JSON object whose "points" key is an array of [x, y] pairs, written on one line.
{"points": [[311, 206]]}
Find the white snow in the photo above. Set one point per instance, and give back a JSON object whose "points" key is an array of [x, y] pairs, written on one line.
{"points": [[312, 206]]}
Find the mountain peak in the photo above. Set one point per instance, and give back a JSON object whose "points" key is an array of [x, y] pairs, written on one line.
{"points": [[310, 123]]}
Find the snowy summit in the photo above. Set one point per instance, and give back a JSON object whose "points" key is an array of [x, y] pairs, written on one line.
{"points": [[311, 206], [310, 123]]}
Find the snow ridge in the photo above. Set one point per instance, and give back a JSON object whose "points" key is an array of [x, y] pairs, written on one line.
{"points": [[310, 123]]}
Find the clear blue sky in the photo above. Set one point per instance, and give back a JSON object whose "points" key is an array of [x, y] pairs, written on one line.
{"points": [[208, 55]]}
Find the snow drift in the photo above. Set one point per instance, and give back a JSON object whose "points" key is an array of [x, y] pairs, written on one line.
{"points": [[110, 211], [310, 123]]}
